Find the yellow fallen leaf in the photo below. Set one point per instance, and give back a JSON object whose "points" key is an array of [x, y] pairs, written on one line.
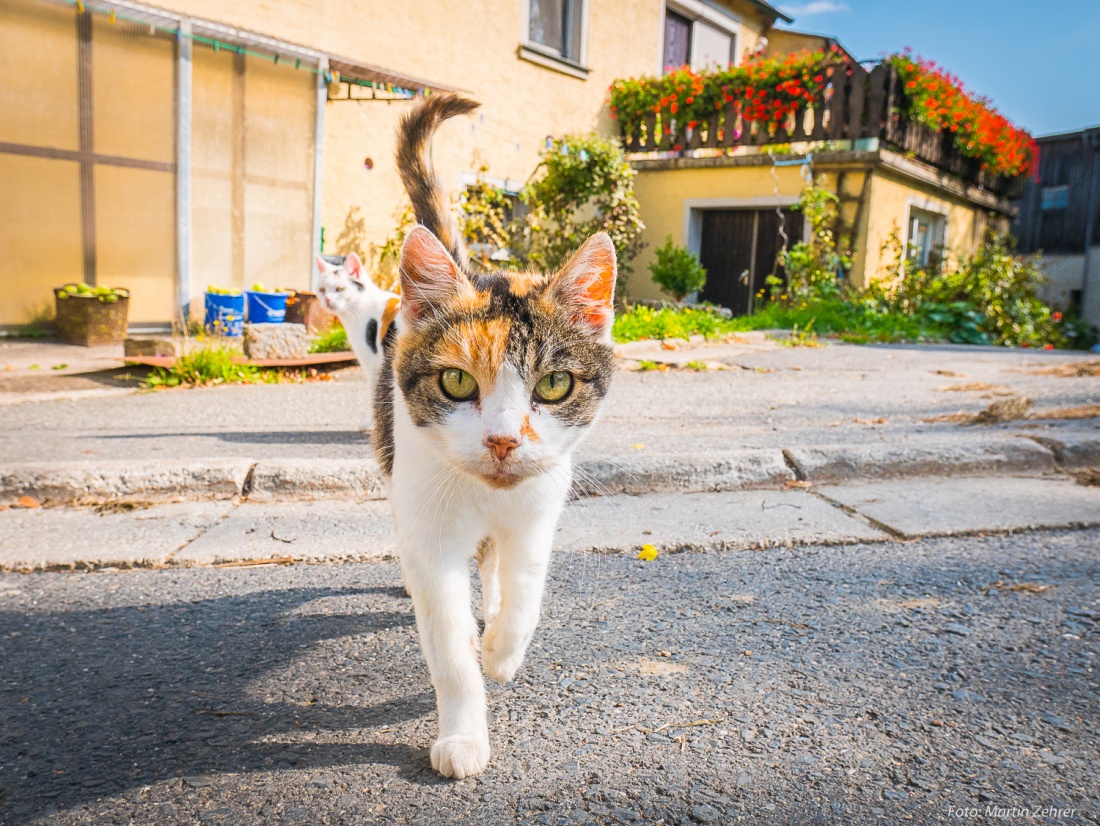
{"points": [[638, 446], [648, 553]]}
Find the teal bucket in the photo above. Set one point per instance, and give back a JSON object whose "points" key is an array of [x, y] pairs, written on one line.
{"points": [[224, 314], [266, 308]]}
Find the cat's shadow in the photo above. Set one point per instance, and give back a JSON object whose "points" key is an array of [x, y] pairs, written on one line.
{"points": [[95, 701]]}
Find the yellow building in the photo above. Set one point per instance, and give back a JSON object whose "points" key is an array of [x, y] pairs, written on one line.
{"points": [[166, 148], [734, 211], [217, 142], [730, 196]]}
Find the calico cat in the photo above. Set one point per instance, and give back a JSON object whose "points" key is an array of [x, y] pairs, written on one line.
{"points": [[367, 312], [492, 382]]}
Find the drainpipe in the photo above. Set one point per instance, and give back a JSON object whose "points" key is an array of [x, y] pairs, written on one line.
{"points": [[1092, 140]]}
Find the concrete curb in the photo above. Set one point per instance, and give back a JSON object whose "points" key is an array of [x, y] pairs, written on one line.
{"points": [[984, 457], [278, 479], [274, 480], [1073, 451], [86, 483], [698, 473]]}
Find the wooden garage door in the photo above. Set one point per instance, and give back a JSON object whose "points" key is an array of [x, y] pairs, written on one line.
{"points": [[739, 250]]}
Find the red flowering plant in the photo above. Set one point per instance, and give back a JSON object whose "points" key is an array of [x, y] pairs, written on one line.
{"points": [[766, 89], [940, 101]]}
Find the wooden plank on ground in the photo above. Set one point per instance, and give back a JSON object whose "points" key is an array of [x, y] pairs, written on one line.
{"points": [[312, 360]]}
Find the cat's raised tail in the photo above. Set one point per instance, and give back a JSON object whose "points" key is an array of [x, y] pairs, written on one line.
{"points": [[429, 202]]}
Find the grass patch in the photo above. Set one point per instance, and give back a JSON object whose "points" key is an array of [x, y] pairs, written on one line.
{"points": [[333, 341], [209, 366], [850, 322], [667, 322]]}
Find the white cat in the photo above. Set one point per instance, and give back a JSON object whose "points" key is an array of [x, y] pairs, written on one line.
{"points": [[491, 383], [367, 312]]}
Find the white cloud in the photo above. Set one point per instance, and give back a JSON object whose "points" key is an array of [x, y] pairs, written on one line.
{"points": [[814, 7]]}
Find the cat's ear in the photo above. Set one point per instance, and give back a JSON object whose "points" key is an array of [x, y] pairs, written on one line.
{"points": [[429, 276], [354, 267], [586, 286], [323, 266]]}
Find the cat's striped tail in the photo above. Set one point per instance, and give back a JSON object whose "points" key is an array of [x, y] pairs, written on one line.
{"points": [[415, 166]]}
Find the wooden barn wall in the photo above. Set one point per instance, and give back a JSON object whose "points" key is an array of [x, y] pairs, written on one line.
{"points": [[1064, 162]]}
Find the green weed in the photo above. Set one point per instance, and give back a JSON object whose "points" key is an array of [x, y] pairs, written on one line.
{"points": [[209, 365], [334, 341]]}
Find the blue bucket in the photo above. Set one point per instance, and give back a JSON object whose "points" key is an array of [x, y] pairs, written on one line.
{"points": [[266, 308], [224, 314]]}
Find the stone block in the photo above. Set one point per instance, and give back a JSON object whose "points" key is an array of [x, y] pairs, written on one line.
{"points": [[162, 346], [276, 341]]}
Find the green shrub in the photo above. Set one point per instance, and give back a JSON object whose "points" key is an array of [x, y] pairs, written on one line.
{"points": [[677, 271], [990, 297], [815, 267], [583, 185]]}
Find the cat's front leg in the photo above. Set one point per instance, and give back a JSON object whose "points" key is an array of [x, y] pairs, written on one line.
{"points": [[366, 423], [490, 580], [523, 556], [439, 584]]}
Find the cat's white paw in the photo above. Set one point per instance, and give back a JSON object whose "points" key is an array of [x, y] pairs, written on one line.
{"points": [[501, 657], [460, 755]]}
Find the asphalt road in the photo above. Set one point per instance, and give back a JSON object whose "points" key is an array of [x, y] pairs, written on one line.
{"points": [[870, 683]]}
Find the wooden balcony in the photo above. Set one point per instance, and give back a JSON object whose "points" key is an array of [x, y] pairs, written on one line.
{"points": [[855, 104]]}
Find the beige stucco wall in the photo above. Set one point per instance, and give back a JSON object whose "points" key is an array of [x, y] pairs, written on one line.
{"points": [[891, 198], [471, 47], [667, 195]]}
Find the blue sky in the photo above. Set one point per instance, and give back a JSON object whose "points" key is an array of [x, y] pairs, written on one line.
{"points": [[1039, 62]]}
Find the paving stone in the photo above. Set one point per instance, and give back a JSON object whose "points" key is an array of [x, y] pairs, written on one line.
{"points": [[694, 521], [938, 506], [309, 531], [54, 538]]}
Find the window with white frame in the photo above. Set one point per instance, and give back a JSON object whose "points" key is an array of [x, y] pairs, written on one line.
{"points": [[557, 27], [925, 243], [699, 36]]}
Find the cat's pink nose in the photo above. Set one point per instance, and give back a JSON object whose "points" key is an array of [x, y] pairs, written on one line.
{"points": [[501, 446]]}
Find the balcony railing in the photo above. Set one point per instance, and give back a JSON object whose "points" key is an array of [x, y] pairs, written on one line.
{"points": [[854, 104]]}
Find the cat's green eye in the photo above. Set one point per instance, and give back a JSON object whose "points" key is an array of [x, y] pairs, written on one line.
{"points": [[458, 384], [553, 387]]}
